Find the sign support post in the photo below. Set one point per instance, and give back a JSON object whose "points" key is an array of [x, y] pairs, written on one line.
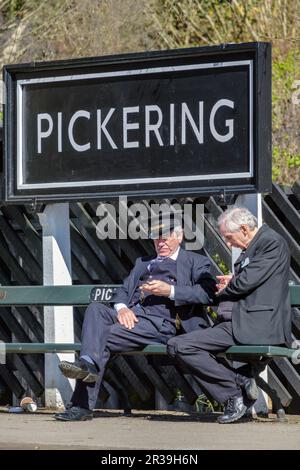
{"points": [[58, 321]]}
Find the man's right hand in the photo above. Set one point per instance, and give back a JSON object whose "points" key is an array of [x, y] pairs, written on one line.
{"points": [[127, 318], [223, 282]]}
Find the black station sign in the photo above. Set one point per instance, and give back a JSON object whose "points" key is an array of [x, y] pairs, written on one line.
{"points": [[190, 121]]}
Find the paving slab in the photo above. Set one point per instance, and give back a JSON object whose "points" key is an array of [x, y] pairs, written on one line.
{"points": [[147, 430]]}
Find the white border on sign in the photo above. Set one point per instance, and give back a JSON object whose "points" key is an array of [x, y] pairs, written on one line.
{"points": [[121, 73]]}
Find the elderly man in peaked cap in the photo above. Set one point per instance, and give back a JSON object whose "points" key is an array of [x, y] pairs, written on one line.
{"points": [[159, 292]]}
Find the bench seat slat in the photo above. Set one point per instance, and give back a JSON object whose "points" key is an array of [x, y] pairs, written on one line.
{"points": [[266, 351], [39, 348], [233, 351]]}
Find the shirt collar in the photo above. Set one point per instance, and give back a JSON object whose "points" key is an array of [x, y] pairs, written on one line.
{"points": [[174, 256]]}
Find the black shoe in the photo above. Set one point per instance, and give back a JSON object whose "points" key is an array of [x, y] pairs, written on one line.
{"points": [[75, 413], [235, 409], [249, 387], [81, 369]]}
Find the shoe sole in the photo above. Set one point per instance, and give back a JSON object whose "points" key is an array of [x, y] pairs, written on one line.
{"points": [[71, 371], [84, 418]]}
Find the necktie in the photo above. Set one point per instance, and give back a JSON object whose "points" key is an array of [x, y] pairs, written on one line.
{"points": [[151, 267], [154, 263]]}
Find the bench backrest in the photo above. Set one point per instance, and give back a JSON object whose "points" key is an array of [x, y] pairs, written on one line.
{"points": [[75, 295]]}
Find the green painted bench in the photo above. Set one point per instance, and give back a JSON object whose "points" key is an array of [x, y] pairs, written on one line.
{"points": [[82, 295]]}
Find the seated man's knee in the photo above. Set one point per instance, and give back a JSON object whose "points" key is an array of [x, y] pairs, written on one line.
{"points": [[96, 308], [172, 347], [94, 312]]}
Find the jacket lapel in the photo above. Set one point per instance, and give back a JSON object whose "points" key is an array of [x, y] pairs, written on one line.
{"points": [[139, 270]]}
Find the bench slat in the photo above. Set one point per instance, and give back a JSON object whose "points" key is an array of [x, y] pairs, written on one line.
{"points": [[39, 348], [150, 349], [295, 295], [53, 295], [75, 294], [266, 351], [232, 352]]}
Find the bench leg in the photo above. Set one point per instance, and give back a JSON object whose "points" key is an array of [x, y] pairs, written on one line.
{"points": [[121, 390], [278, 407], [124, 399]]}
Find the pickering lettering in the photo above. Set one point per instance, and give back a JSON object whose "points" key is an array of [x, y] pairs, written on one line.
{"points": [[141, 126]]}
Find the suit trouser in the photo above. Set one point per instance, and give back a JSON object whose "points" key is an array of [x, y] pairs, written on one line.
{"points": [[102, 335], [196, 352]]}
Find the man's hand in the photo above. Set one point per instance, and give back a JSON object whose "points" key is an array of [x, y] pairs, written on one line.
{"points": [[223, 282], [157, 288], [127, 318]]}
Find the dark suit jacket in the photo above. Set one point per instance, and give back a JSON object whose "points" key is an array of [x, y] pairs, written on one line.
{"points": [[195, 285], [261, 312]]}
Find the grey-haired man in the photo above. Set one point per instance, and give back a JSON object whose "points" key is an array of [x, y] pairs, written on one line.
{"points": [[258, 313]]}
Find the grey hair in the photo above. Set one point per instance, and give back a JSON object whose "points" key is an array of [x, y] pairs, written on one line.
{"points": [[233, 218]]}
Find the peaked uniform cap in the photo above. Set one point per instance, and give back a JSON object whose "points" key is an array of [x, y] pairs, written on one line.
{"points": [[164, 223]]}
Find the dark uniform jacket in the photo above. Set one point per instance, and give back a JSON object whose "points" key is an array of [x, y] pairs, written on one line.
{"points": [[261, 312], [194, 285]]}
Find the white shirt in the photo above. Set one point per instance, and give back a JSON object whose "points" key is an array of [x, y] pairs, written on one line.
{"points": [[174, 257]]}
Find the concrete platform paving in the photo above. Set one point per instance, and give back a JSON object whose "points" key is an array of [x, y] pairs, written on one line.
{"points": [[155, 430]]}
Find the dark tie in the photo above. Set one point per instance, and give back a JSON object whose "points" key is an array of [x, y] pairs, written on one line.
{"points": [[154, 263]]}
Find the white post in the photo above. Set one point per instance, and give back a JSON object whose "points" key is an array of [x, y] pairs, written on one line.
{"points": [[58, 321], [253, 202]]}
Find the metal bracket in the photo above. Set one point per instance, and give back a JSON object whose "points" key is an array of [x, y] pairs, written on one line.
{"points": [[225, 199]]}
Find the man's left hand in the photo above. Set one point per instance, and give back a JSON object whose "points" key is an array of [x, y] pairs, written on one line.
{"points": [[157, 288]]}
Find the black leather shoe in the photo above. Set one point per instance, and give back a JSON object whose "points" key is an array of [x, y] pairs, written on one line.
{"points": [[234, 410], [81, 369], [75, 413]]}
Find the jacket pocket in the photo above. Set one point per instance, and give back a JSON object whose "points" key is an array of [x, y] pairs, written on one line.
{"points": [[259, 308]]}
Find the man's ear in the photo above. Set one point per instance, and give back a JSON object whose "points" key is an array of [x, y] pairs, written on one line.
{"points": [[245, 229]]}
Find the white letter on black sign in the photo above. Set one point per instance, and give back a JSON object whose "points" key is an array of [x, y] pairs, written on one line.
{"points": [[102, 127], [228, 122], [153, 127], [78, 114], [172, 124], [59, 132], [42, 135], [185, 113], [127, 127]]}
